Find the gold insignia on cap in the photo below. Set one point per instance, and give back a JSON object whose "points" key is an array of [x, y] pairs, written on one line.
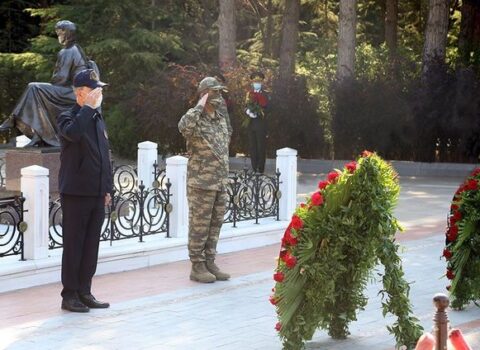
{"points": [[94, 76]]}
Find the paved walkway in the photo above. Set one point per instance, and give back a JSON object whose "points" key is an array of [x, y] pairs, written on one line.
{"points": [[159, 308]]}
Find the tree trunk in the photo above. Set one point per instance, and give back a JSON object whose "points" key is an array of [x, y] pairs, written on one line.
{"points": [[268, 43], [288, 47], [227, 29], [436, 33], [391, 20], [346, 39]]}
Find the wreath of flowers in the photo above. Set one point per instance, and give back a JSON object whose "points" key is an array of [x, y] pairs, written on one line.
{"points": [[329, 251], [462, 244]]}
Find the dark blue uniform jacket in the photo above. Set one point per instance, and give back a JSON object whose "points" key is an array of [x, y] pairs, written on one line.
{"points": [[85, 168]]}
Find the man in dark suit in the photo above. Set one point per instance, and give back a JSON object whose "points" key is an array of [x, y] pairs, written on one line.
{"points": [[85, 184]]}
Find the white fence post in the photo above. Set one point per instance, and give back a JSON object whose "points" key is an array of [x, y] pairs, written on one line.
{"points": [[147, 156], [287, 165], [21, 141], [35, 188], [176, 172]]}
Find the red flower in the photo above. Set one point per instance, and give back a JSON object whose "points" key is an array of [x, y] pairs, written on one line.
{"points": [[475, 172], [471, 185], [317, 198], [452, 233], [447, 254], [333, 176], [450, 275], [278, 326], [290, 260], [288, 238], [457, 216], [351, 167], [460, 190], [296, 222], [366, 154], [302, 205], [278, 277], [323, 184], [454, 207], [273, 300]]}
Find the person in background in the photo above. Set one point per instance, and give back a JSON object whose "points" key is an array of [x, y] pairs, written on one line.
{"points": [[255, 106]]}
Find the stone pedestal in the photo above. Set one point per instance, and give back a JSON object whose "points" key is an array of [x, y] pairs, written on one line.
{"points": [[16, 159]]}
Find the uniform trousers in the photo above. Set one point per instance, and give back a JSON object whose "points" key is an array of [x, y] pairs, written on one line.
{"points": [[257, 133], [82, 222], [206, 209]]}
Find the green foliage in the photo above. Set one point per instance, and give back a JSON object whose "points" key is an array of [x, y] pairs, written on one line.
{"points": [[340, 234], [462, 250], [17, 70]]}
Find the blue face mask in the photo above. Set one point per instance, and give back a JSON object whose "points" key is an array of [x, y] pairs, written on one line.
{"points": [[257, 86]]}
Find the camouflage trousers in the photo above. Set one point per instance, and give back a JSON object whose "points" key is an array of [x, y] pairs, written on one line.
{"points": [[206, 209]]}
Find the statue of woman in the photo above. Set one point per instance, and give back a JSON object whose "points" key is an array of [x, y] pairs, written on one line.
{"points": [[36, 112]]}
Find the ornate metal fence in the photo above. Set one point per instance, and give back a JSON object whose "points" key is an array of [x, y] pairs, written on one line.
{"points": [[12, 226], [252, 196], [136, 210]]}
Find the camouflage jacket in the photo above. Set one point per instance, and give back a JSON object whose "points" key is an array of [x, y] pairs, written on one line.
{"points": [[208, 137]]}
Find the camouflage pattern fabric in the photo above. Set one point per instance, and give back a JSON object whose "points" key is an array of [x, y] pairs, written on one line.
{"points": [[208, 137], [206, 209]]}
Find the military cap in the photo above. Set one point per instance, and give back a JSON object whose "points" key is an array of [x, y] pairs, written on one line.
{"points": [[210, 83], [89, 78], [257, 74]]}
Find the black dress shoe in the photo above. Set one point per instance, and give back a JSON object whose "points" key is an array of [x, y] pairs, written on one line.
{"points": [[91, 302], [74, 305]]}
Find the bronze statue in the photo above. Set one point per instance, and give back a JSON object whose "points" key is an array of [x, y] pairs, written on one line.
{"points": [[36, 112]]}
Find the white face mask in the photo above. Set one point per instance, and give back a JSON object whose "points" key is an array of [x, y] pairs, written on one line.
{"points": [[257, 86]]}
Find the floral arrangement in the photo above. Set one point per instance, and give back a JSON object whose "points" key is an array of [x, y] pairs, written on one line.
{"points": [[328, 253], [462, 250]]}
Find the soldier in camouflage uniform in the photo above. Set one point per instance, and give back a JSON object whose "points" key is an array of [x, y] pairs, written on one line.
{"points": [[207, 130]]}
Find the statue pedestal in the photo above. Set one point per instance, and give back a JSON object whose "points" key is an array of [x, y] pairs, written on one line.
{"points": [[16, 159]]}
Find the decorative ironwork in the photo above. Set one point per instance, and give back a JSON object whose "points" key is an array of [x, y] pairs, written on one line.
{"points": [[252, 196], [135, 211], [12, 226]]}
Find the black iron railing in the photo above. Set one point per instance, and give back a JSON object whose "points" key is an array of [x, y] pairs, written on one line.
{"points": [[136, 211], [12, 226], [252, 196]]}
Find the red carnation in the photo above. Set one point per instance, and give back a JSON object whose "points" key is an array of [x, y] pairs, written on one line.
{"points": [[450, 275], [289, 239], [351, 167], [290, 260], [471, 185], [454, 207], [278, 277], [475, 172], [302, 205], [447, 254], [323, 184], [317, 198], [273, 300], [366, 154], [333, 176], [460, 190], [278, 326], [452, 233], [457, 216], [296, 223]]}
